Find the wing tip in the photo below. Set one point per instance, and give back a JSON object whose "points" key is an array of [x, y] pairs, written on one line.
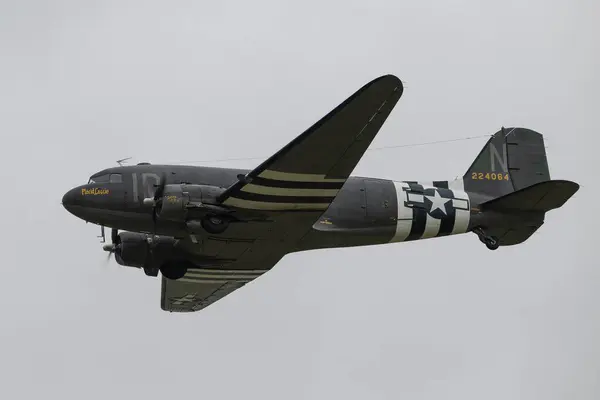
{"points": [[393, 79], [387, 82]]}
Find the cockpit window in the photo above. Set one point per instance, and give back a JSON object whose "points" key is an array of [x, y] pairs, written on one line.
{"points": [[112, 178], [99, 179], [116, 178]]}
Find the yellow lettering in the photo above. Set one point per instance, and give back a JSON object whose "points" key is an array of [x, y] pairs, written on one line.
{"points": [[490, 176], [94, 192]]}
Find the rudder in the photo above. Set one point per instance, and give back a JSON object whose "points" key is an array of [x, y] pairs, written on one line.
{"points": [[511, 160]]}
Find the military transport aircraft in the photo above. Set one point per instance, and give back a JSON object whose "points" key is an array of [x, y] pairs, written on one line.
{"points": [[209, 231]]}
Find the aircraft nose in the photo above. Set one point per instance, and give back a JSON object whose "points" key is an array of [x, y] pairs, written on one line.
{"points": [[70, 199]]}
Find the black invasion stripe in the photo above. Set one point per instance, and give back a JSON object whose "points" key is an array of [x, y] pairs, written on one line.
{"points": [[447, 222], [440, 184], [419, 216], [270, 198], [418, 224], [295, 185]]}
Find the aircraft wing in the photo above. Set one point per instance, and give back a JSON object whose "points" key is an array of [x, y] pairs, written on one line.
{"points": [[308, 172], [200, 288], [305, 175]]}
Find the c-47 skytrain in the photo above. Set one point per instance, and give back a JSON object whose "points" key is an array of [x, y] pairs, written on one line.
{"points": [[209, 231]]}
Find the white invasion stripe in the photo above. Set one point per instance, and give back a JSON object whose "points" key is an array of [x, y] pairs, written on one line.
{"points": [[463, 214], [277, 191], [432, 227], [208, 280], [263, 205], [460, 204], [227, 271], [405, 214], [457, 184], [461, 223], [224, 273], [426, 184], [291, 176], [211, 276], [417, 198]]}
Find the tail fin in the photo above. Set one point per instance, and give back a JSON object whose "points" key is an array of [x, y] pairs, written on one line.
{"points": [[513, 159]]}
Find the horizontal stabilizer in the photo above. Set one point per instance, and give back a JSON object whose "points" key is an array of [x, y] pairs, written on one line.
{"points": [[543, 196]]}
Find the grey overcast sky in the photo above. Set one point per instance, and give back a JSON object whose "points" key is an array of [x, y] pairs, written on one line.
{"points": [[84, 83]]}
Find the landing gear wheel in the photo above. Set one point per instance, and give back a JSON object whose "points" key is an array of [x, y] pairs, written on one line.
{"points": [[173, 271], [214, 224], [491, 243], [151, 271]]}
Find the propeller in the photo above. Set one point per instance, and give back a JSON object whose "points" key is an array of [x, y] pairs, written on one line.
{"points": [[157, 199], [160, 188], [115, 244]]}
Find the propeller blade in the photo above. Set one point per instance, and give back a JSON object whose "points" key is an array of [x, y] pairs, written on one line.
{"points": [[161, 187], [102, 237], [114, 235], [158, 194], [113, 246]]}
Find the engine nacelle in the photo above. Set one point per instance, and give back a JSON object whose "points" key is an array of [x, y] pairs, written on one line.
{"points": [[179, 201], [141, 250]]}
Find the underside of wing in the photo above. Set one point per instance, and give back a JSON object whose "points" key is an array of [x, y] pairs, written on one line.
{"points": [[200, 288], [307, 174]]}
